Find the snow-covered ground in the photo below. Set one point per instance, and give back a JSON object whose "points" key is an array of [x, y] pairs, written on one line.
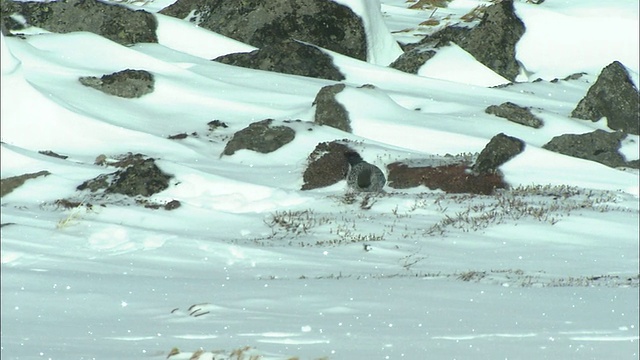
{"points": [[547, 270]]}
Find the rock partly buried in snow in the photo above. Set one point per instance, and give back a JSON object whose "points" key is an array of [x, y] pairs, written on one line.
{"points": [[500, 149], [613, 96], [114, 22], [288, 57], [327, 165], [492, 42], [518, 114], [452, 177], [9, 184], [261, 137], [138, 176], [363, 176], [126, 83], [329, 111], [599, 146], [260, 23], [412, 60]]}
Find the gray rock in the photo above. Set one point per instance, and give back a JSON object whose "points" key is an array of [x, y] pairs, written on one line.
{"points": [[259, 23], [412, 60], [126, 83], [138, 176], [362, 176], [492, 42], [613, 96], [518, 114], [114, 22], [288, 57], [599, 146], [329, 111], [327, 165], [500, 149], [261, 137]]}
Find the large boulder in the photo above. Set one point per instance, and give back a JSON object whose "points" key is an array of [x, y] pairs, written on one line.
{"points": [[327, 165], [515, 113], [599, 146], [261, 137], [613, 96], [329, 111], [259, 23], [287, 57], [492, 42], [114, 22], [126, 83], [500, 149]]}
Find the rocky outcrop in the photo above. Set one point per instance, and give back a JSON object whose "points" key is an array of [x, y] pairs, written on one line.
{"points": [[138, 176], [500, 149], [127, 83], [114, 22], [515, 113], [287, 57], [324, 23], [329, 111], [599, 146], [327, 165], [613, 96], [261, 137], [492, 42], [363, 176]]}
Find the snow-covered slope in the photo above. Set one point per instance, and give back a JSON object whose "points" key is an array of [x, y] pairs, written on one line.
{"points": [[548, 269]]}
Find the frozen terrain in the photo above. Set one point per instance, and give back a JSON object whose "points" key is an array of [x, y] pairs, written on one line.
{"points": [[252, 267]]}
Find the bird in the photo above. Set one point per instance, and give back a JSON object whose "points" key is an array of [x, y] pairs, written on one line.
{"points": [[363, 176]]}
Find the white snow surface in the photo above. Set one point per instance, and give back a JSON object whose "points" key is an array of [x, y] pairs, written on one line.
{"points": [[251, 265]]}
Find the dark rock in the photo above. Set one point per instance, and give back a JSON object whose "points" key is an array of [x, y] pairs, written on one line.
{"points": [[500, 149], [172, 205], [214, 124], [53, 154], [575, 76], [613, 96], [327, 165], [180, 136], [114, 22], [329, 111], [139, 176], [287, 57], [412, 60], [126, 83], [634, 164], [599, 146], [261, 137], [363, 176], [492, 42], [9, 184], [515, 113], [259, 23], [451, 178]]}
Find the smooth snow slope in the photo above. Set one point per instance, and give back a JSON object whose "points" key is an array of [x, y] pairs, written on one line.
{"points": [[548, 270]]}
